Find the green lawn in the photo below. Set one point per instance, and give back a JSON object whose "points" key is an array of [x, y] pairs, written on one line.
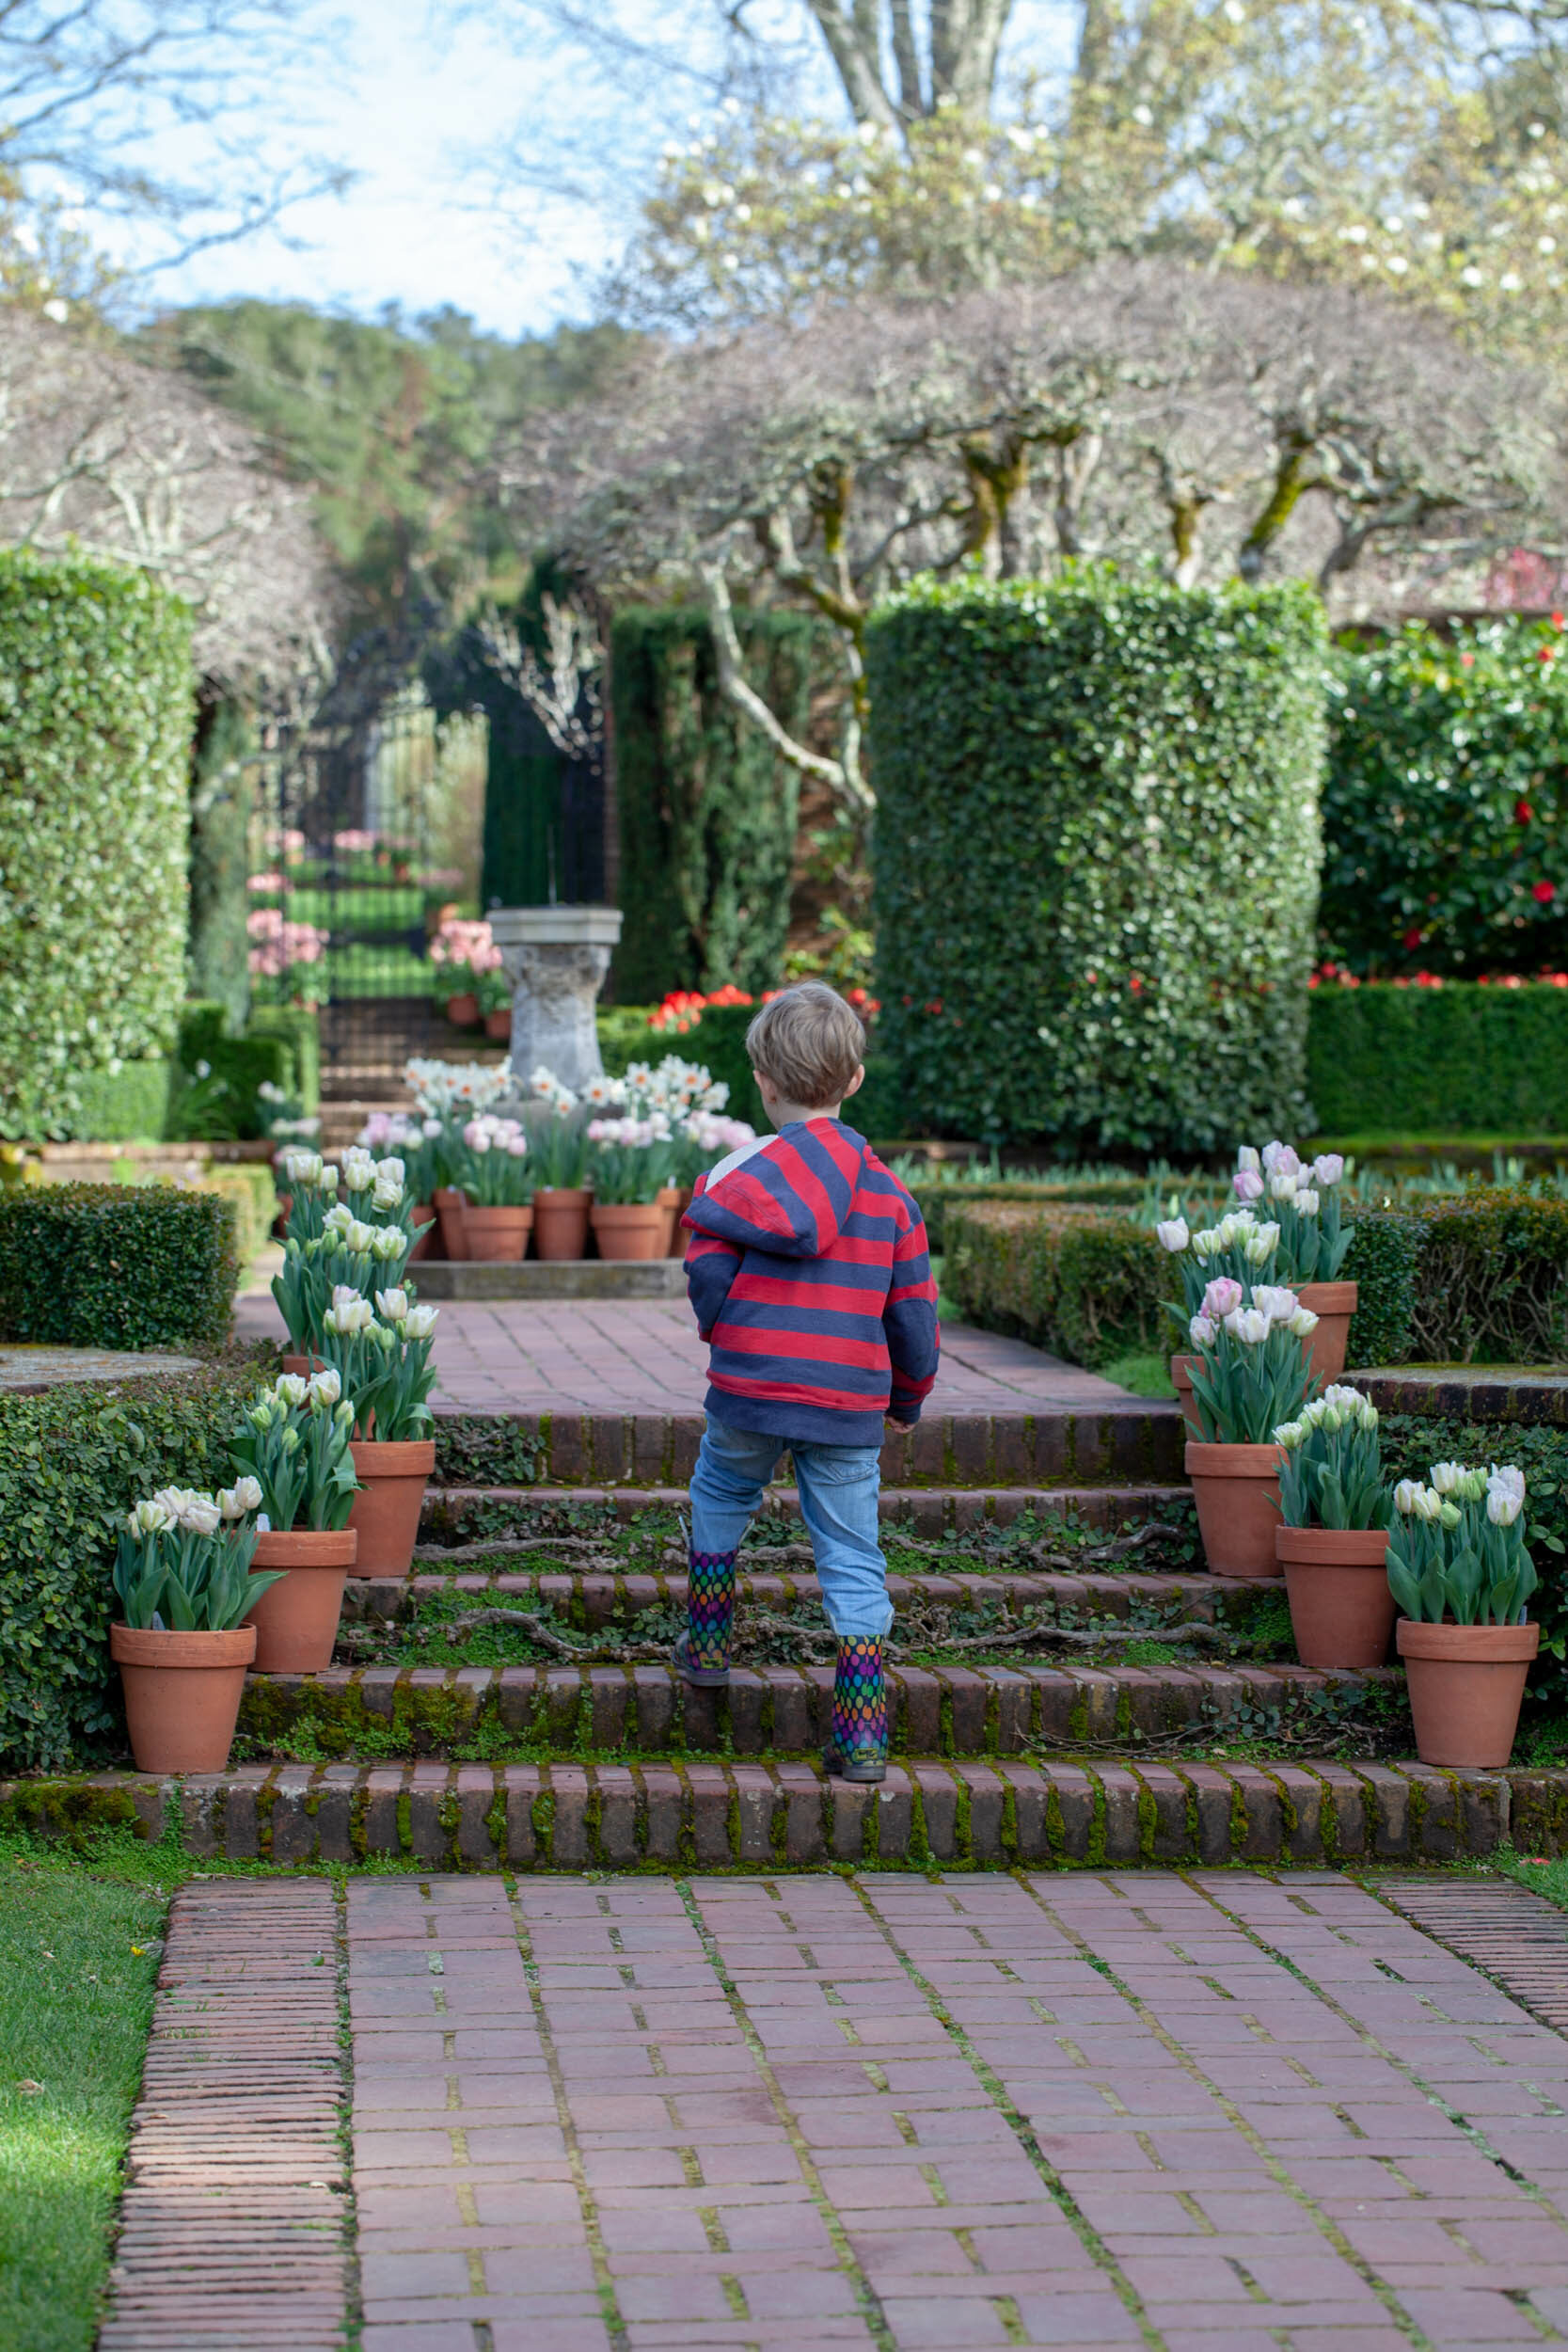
{"points": [[78, 1959]]}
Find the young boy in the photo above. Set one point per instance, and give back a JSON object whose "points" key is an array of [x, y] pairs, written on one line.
{"points": [[808, 1273]]}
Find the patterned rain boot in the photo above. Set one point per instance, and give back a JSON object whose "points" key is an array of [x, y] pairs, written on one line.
{"points": [[858, 1747], [702, 1653]]}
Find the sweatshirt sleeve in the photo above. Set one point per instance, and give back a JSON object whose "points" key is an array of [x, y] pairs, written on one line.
{"points": [[711, 1266], [910, 1321]]}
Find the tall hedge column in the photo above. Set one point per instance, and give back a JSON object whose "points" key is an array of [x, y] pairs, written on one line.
{"points": [[1096, 855], [96, 714]]}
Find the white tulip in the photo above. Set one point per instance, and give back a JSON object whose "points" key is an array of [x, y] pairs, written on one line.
{"points": [[1276, 1302], [149, 1519], [391, 1306], [1248, 1158], [1503, 1506], [343, 1294], [302, 1169], [386, 1197], [290, 1389], [1206, 1245], [1327, 1168], [1173, 1234], [390, 1172], [250, 1492], [1347, 1398], [327, 1386], [1248, 1326], [389, 1242], [1306, 1202], [1507, 1480], [418, 1323], [1203, 1331], [1282, 1156], [338, 1220], [358, 1170], [1404, 1495], [201, 1515], [430, 1129], [358, 1238], [329, 1177], [1428, 1505], [1290, 1435], [1303, 1323], [230, 1504], [1259, 1248], [1282, 1184], [1446, 1476]]}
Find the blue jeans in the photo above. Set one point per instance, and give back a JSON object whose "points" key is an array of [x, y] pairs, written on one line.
{"points": [[839, 1486]]}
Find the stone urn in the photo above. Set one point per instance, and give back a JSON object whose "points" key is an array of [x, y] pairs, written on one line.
{"points": [[555, 959]]}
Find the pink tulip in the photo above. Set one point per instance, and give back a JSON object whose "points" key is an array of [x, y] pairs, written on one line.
{"points": [[1221, 1297]]}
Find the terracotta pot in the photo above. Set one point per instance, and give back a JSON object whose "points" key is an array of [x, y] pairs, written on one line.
{"points": [[423, 1222], [498, 1024], [450, 1204], [630, 1228], [386, 1516], [1235, 1489], [303, 1365], [496, 1235], [670, 1199], [181, 1694], [462, 1012], [1181, 1381], [1333, 1303], [560, 1220], [297, 1622], [1337, 1582], [1466, 1683], [280, 1227]]}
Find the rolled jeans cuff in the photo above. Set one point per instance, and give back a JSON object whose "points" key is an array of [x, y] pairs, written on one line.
{"points": [[856, 1624]]}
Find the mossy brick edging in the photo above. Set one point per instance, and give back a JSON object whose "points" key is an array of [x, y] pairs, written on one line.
{"points": [[786, 1710], [725, 1816], [1121, 1444], [453, 1513], [593, 1603], [1468, 1394]]}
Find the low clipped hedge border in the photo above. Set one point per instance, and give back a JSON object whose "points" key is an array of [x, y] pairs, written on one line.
{"points": [[1468, 1057], [1089, 1286], [117, 1265]]}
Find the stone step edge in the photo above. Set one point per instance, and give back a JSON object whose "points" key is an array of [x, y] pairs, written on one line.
{"points": [[1129, 1441], [926, 1510], [755, 1817], [593, 1600], [932, 1712]]}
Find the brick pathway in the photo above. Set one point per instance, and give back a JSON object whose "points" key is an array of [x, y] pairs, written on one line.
{"points": [[1190, 2112], [643, 1355]]}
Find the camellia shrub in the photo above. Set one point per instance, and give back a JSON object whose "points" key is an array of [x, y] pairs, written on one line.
{"points": [[1096, 855], [96, 713], [1446, 802]]}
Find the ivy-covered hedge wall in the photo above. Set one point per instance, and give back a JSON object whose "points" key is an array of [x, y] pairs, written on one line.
{"points": [[1096, 855], [96, 713], [219, 951], [1466, 1058], [1089, 1285], [1446, 802], [117, 1265], [707, 810]]}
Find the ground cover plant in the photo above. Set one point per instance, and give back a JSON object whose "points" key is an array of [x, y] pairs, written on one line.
{"points": [[78, 1961]]}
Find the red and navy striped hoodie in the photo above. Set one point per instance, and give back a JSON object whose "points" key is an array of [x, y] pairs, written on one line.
{"points": [[808, 1271]]}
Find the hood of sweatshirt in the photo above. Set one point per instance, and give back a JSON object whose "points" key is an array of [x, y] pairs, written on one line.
{"points": [[790, 1196]]}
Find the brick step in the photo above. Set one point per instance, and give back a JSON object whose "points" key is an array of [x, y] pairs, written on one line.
{"points": [[599, 1600], [725, 1816], [1133, 1442], [946, 1710], [451, 1512]]}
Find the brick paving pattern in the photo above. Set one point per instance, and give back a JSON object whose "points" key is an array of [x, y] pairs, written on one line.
{"points": [[233, 2223], [1084, 2111], [1519, 1938], [643, 1355]]}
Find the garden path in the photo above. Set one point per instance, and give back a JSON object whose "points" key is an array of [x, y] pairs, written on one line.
{"points": [[643, 1355], [1199, 2112]]}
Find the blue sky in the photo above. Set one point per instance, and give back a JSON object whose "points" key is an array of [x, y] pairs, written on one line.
{"points": [[427, 109]]}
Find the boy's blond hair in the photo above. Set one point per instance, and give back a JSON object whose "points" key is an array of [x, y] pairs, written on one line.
{"points": [[809, 1042]]}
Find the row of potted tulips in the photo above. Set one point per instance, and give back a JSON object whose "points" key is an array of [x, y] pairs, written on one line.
{"points": [[209, 1586], [1289, 1481]]}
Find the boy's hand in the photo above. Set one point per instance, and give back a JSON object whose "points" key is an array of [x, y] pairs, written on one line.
{"points": [[897, 1428]]}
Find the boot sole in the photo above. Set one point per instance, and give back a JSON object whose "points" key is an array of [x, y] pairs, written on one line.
{"points": [[867, 1775], [701, 1677]]}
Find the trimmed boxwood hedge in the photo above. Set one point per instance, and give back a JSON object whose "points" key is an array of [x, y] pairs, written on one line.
{"points": [[96, 712], [1464, 1059], [117, 1265], [1096, 855], [1089, 1285]]}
